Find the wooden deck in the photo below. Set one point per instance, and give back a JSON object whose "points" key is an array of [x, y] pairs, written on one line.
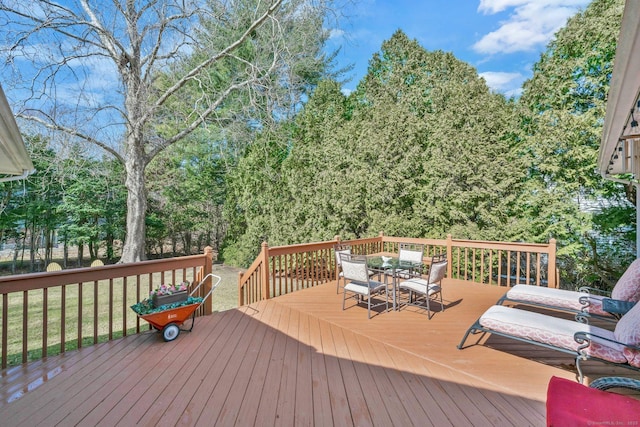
{"points": [[298, 360]]}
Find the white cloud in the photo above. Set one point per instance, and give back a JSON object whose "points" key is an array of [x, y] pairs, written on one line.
{"points": [[531, 23], [506, 83], [336, 33], [494, 6], [513, 93]]}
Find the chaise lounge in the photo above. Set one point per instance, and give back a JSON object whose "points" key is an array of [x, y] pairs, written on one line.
{"points": [[620, 347], [586, 302]]}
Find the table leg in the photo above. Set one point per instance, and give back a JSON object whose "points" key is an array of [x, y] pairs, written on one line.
{"points": [[393, 284]]}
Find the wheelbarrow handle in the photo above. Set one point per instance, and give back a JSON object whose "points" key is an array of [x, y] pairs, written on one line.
{"points": [[204, 279]]}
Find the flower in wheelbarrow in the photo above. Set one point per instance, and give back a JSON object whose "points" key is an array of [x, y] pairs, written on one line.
{"points": [[168, 289]]}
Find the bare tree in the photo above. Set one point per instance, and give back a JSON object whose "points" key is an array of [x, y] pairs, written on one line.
{"points": [[91, 70]]}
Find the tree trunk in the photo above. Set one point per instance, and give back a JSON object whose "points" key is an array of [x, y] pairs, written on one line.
{"points": [[47, 246], [52, 243], [22, 247], [134, 244], [65, 254], [109, 241], [32, 251], [186, 238], [80, 254], [14, 263]]}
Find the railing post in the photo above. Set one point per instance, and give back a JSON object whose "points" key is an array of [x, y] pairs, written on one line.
{"points": [[336, 271], [380, 244], [208, 269], [551, 273], [449, 256], [265, 270]]}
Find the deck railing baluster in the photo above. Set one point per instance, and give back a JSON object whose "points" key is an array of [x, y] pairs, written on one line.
{"points": [[79, 337], [63, 317], [5, 328], [490, 266], [538, 269], [499, 267], [45, 321], [473, 267], [508, 268], [25, 326], [138, 291], [125, 308], [95, 311]]}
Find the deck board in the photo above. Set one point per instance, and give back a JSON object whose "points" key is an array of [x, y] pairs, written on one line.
{"points": [[298, 359], [322, 415], [285, 406], [337, 391]]}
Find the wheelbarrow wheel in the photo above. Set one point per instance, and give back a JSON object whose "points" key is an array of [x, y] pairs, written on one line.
{"points": [[170, 332]]}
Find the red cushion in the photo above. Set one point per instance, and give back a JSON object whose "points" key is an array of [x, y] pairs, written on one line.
{"points": [[572, 404]]}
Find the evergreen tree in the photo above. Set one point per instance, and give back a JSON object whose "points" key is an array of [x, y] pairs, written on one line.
{"points": [[421, 149], [256, 200], [566, 101]]}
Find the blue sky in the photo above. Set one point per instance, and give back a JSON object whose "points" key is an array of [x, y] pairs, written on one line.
{"points": [[502, 39]]}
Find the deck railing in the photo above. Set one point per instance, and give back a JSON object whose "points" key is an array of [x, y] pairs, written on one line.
{"points": [[52, 312], [284, 269]]}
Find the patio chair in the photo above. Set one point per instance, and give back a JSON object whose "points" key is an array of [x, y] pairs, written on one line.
{"points": [[360, 283], [411, 252], [340, 249], [620, 347], [427, 289], [586, 302]]}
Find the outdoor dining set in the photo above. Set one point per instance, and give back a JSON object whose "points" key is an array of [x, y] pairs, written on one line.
{"points": [[606, 326], [405, 278]]}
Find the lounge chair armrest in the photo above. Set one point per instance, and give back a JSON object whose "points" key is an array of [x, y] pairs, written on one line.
{"points": [[606, 383], [585, 301], [590, 290], [584, 339], [615, 306]]}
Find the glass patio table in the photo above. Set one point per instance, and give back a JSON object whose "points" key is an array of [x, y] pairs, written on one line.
{"points": [[391, 266]]}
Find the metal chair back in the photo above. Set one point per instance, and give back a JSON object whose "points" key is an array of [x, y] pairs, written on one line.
{"points": [[354, 268]]}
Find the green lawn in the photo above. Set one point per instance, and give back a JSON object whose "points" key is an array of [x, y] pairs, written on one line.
{"points": [[226, 294]]}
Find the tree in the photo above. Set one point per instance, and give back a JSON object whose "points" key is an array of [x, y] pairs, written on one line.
{"points": [[131, 44], [565, 102], [92, 204], [324, 200], [188, 187], [31, 217], [257, 204], [422, 148]]}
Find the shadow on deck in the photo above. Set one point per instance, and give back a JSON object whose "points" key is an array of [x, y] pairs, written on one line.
{"points": [[298, 360]]}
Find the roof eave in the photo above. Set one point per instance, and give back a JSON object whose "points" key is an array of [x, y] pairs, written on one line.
{"points": [[14, 158], [625, 85]]}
